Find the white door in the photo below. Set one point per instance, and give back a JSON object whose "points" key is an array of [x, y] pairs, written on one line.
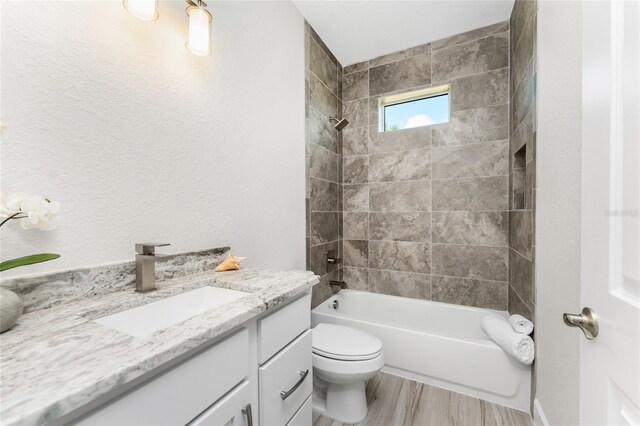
{"points": [[610, 363]]}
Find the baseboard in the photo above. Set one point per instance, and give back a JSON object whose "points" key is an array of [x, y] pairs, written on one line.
{"points": [[539, 419]]}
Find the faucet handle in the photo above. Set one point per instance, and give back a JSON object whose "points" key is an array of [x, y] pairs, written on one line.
{"points": [[148, 248]]}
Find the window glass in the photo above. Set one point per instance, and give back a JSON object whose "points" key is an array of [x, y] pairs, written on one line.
{"points": [[418, 112]]}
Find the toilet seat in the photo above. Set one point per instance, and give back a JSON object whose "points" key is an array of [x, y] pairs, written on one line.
{"points": [[343, 343]]}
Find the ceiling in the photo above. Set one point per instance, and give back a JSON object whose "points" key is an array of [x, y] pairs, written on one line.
{"points": [[359, 30]]}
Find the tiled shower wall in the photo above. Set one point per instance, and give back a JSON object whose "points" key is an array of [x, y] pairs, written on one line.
{"points": [[523, 165], [426, 210], [323, 158]]}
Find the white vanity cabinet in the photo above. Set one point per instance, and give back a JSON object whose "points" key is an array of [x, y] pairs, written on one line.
{"points": [[260, 374]]}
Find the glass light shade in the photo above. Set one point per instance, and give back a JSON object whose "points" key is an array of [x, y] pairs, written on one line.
{"points": [[199, 42], [147, 10]]}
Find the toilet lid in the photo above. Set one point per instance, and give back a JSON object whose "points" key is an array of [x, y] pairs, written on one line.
{"points": [[344, 343]]}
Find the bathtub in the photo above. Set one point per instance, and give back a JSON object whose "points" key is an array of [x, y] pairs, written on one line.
{"points": [[435, 343]]}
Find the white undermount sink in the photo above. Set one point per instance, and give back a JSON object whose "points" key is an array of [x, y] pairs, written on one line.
{"points": [[146, 319]]}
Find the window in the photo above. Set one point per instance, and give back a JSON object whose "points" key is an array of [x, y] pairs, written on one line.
{"points": [[414, 109]]}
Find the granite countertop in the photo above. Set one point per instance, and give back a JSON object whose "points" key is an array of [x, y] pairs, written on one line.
{"points": [[56, 360]]}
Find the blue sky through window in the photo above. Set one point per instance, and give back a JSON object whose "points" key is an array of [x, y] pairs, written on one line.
{"points": [[420, 112]]}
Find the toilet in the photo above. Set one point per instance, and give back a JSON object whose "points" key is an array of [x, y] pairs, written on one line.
{"points": [[344, 358]]}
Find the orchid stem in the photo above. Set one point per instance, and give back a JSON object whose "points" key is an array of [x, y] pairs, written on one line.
{"points": [[13, 216]]}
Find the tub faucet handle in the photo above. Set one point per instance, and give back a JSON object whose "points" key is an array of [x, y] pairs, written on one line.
{"points": [[332, 259]]}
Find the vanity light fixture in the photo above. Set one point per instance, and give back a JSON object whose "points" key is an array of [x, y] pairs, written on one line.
{"points": [[147, 10], [199, 41]]}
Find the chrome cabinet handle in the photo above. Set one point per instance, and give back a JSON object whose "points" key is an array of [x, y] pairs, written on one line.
{"points": [[284, 395], [587, 321], [247, 411]]}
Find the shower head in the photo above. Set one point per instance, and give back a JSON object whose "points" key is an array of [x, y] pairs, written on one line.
{"points": [[340, 124]]}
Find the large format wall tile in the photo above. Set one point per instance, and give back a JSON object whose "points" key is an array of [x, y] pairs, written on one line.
{"points": [[473, 228], [355, 169], [486, 263], [321, 98], [521, 277], [521, 232], [522, 11], [360, 66], [356, 112], [500, 27], [356, 226], [392, 226], [473, 125], [323, 164], [399, 256], [470, 292], [417, 286], [522, 126], [402, 54], [356, 85], [322, 66], [403, 74], [400, 140], [489, 193], [356, 253], [523, 53], [355, 141], [523, 97], [523, 135], [398, 166], [474, 57], [388, 177], [318, 257], [517, 306], [324, 195], [474, 160], [356, 198], [322, 132], [324, 227], [400, 196], [490, 88], [323, 169], [356, 278]]}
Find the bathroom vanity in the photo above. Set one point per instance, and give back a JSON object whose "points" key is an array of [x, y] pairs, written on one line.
{"points": [[247, 361]]}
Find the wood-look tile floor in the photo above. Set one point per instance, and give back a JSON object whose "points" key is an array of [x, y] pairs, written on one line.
{"points": [[394, 401]]}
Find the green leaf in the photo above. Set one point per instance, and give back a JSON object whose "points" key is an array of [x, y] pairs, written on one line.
{"points": [[27, 260]]}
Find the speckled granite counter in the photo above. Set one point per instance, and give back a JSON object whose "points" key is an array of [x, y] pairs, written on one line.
{"points": [[57, 359]]}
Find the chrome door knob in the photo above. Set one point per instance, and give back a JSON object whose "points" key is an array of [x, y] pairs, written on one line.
{"points": [[587, 321]]}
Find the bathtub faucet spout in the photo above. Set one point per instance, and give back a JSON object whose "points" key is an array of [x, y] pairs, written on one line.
{"points": [[340, 284]]}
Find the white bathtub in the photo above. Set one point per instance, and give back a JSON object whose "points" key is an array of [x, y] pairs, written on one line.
{"points": [[434, 343]]}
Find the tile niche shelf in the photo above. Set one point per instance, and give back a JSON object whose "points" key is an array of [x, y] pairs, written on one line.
{"points": [[519, 178]]}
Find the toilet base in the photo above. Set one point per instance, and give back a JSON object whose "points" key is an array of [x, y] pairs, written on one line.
{"points": [[345, 402]]}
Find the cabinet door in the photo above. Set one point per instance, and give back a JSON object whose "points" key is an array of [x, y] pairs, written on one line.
{"points": [[232, 410]]}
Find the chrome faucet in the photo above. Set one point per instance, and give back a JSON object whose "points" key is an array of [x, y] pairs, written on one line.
{"points": [[145, 265]]}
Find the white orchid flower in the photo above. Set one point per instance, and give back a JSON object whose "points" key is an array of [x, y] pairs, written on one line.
{"points": [[10, 203], [37, 211]]}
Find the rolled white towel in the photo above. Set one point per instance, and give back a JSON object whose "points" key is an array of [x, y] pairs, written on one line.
{"points": [[520, 346], [520, 324]]}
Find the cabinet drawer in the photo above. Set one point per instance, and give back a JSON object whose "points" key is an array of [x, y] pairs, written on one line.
{"points": [[288, 372], [181, 393], [230, 410], [281, 327], [304, 416]]}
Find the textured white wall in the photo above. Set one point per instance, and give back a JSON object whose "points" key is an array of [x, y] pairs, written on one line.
{"points": [[558, 208], [141, 140]]}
